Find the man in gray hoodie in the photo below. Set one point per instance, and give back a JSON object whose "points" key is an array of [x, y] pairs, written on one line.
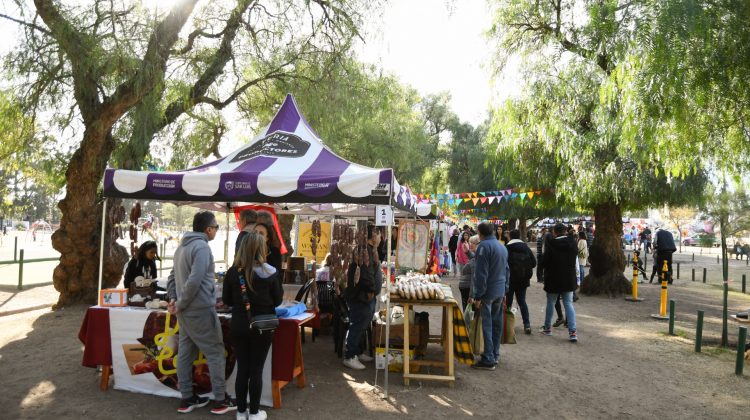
{"points": [[192, 299]]}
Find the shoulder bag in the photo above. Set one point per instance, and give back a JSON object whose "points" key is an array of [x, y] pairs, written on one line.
{"points": [[259, 323]]}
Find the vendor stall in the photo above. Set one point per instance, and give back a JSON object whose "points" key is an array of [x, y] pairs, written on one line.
{"points": [[288, 166]]}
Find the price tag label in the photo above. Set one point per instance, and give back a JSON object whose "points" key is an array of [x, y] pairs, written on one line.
{"points": [[383, 216]]}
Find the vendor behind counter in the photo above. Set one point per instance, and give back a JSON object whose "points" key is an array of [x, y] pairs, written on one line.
{"points": [[143, 264]]}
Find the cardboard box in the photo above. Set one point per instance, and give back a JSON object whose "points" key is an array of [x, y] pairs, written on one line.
{"points": [[396, 336], [395, 359]]}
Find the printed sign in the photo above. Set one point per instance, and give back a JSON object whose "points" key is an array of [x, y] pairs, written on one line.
{"points": [[304, 246], [383, 216], [277, 144], [381, 189], [144, 351]]}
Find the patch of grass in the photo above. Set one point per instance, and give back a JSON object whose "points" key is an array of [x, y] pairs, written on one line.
{"points": [[715, 351], [677, 333]]}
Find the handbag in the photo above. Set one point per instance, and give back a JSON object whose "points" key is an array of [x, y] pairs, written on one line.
{"points": [[259, 323], [509, 332]]}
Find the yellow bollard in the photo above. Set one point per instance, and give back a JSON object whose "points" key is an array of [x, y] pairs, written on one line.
{"points": [[662, 315], [634, 297], [663, 303]]}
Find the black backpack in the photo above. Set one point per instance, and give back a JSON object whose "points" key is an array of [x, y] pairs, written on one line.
{"points": [[520, 265]]}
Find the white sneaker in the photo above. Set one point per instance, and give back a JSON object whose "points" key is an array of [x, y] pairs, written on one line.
{"points": [[243, 415], [354, 363], [365, 358], [261, 415]]}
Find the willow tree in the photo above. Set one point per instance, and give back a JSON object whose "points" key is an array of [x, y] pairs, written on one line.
{"points": [[118, 75], [565, 131], [686, 89]]}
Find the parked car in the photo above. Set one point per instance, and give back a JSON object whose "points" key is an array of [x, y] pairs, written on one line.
{"points": [[702, 239]]}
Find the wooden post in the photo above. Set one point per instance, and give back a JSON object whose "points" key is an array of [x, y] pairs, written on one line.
{"points": [[699, 332], [20, 271]]}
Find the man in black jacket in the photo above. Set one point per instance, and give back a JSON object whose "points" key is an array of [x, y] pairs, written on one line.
{"points": [[664, 247], [560, 265], [521, 262]]}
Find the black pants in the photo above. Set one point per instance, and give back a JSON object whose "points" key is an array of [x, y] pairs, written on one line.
{"points": [[464, 295], [251, 351], [662, 256]]}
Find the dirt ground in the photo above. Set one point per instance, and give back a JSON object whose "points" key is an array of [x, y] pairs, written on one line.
{"points": [[624, 366]]}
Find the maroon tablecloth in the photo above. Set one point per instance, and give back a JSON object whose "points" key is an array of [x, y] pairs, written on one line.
{"points": [[94, 334]]}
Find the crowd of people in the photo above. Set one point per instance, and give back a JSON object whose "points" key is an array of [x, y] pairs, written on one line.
{"points": [[495, 267]]}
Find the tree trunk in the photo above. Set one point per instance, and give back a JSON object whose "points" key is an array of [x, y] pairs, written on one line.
{"points": [[78, 238], [522, 229], [606, 256]]}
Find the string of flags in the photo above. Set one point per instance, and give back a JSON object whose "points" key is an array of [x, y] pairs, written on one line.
{"points": [[479, 197]]}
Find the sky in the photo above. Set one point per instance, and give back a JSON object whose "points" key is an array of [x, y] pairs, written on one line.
{"points": [[439, 45]]}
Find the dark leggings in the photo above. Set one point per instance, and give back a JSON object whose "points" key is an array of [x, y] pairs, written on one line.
{"points": [[464, 295], [251, 351]]}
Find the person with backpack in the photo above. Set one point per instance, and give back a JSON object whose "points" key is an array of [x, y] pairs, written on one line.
{"points": [[521, 262]]}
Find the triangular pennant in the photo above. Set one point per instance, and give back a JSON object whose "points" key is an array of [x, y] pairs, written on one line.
{"points": [[483, 200], [466, 199], [482, 193], [523, 195], [514, 195], [531, 195], [492, 199], [475, 200], [474, 194]]}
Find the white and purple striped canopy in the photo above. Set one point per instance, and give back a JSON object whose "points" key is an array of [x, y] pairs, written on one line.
{"points": [[286, 163]]}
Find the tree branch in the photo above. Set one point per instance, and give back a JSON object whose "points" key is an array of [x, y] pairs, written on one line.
{"points": [[27, 24]]}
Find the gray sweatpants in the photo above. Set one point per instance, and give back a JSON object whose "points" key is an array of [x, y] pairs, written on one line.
{"points": [[201, 331]]}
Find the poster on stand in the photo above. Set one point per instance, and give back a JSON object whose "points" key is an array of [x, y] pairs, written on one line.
{"points": [[304, 245], [413, 244], [144, 356]]}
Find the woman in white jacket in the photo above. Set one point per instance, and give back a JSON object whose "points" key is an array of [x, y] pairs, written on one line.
{"points": [[583, 255]]}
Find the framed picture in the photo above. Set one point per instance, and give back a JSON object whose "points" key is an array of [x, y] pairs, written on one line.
{"points": [[113, 297]]}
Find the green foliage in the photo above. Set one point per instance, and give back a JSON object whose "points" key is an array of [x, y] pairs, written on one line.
{"points": [[686, 84], [565, 131]]}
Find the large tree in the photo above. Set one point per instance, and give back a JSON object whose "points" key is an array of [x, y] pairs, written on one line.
{"points": [[565, 130], [123, 74]]}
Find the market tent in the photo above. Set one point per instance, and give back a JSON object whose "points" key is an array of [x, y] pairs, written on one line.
{"points": [[286, 163]]}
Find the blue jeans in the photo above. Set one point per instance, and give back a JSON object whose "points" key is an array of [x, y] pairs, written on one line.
{"points": [[492, 328], [570, 313], [581, 273], [520, 294], [360, 316]]}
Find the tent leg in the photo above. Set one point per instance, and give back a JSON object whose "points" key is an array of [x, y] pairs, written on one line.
{"points": [[388, 309], [226, 243], [101, 250]]}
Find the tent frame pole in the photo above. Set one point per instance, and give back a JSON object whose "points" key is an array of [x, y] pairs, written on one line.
{"points": [[226, 242], [101, 251], [388, 306]]}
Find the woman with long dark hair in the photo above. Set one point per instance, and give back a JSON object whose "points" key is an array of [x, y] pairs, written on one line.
{"points": [[143, 264], [273, 256], [251, 289]]}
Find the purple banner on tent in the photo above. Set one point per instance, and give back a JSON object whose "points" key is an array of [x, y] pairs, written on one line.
{"points": [[287, 118], [164, 184], [322, 177], [244, 179], [109, 181], [237, 184]]}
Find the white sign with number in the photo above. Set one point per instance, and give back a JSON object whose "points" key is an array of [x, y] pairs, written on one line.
{"points": [[383, 216]]}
